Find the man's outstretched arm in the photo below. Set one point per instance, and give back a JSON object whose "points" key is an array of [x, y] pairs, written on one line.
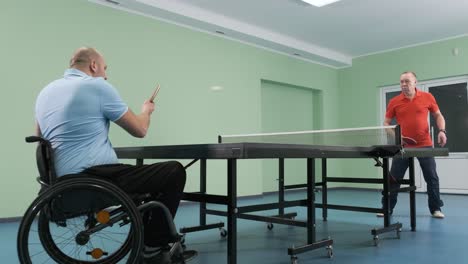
{"points": [[137, 125]]}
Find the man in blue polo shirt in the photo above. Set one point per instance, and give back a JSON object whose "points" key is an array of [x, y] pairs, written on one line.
{"points": [[74, 114]]}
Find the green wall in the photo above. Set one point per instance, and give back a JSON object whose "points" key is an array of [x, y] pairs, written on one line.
{"points": [[287, 108], [38, 38], [360, 84]]}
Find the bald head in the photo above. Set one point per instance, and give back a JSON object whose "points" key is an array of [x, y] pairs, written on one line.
{"points": [[89, 61], [83, 56], [410, 72]]}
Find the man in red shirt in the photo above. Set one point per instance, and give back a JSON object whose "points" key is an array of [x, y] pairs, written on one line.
{"points": [[410, 109]]}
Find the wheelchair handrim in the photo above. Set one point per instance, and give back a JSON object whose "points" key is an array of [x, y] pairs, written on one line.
{"points": [[135, 236]]}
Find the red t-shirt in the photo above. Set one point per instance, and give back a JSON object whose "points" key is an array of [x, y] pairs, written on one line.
{"points": [[411, 115]]}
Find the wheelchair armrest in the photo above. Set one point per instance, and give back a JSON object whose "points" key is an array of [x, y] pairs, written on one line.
{"points": [[32, 139]]}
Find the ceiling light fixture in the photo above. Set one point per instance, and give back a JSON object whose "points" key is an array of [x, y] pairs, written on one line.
{"points": [[319, 3]]}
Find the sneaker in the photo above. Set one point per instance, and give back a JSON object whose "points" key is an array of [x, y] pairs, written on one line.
{"points": [[185, 257], [438, 214], [156, 256], [150, 252], [163, 256]]}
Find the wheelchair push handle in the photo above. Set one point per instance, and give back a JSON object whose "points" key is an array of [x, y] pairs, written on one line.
{"points": [[32, 139]]}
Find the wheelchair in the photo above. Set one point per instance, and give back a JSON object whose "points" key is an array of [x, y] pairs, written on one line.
{"points": [[81, 219]]}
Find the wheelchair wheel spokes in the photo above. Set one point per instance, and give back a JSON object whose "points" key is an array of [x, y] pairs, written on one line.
{"points": [[37, 254], [73, 240], [82, 238]]}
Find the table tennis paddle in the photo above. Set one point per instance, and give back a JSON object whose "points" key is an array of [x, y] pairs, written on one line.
{"points": [[154, 93], [408, 141]]}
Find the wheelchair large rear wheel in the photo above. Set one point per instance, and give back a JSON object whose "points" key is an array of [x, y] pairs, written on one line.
{"points": [[98, 234]]}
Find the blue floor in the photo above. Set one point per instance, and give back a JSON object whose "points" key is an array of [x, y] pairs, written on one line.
{"points": [[435, 241]]}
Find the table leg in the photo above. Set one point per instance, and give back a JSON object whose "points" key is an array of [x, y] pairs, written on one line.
{"points": [[412, 194], [232, 211]]}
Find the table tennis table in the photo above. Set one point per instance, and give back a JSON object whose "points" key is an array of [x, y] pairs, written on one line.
{"points": [[232, 152]]}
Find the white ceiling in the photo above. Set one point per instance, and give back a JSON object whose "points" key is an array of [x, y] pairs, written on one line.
{"points": [[331, 35]]}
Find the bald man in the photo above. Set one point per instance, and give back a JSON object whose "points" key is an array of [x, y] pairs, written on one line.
{"points": [[74, 114]]}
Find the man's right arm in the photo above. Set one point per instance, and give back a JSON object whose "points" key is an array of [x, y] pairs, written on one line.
{"points": [[387, 121], [390, 131], [137, 125]]}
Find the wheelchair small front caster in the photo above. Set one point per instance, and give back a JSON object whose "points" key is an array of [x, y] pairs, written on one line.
{"points": [[182, 241]]}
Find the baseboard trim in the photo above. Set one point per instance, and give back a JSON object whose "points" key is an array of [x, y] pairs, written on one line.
{"points": [[10, 219]]}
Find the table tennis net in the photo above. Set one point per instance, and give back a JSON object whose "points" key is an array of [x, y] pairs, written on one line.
{"points": [[365, 136]]}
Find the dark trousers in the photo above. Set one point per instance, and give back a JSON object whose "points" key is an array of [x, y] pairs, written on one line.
{"points": [[164, 181], [428, 166]]}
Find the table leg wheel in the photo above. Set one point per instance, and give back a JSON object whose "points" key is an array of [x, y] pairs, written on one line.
{"points": [[376, 240], [270, 226], [222, 232]]}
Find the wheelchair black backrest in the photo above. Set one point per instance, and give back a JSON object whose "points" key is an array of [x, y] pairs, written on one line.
{"points": [[45, 160], [73, 203]]}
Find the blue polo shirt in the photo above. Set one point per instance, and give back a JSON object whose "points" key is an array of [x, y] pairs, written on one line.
{"points": [[73, 113]]}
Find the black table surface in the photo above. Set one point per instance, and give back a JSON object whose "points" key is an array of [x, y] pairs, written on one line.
{"points": [[247, 150]]}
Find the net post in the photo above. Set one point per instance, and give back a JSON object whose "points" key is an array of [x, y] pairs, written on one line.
{"points": [[219, 139], [397, 135]]}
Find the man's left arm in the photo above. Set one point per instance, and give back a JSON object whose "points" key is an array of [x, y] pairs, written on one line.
{"points": [[440, 122]]}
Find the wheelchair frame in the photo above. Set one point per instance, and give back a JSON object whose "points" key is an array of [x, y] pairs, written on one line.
{"points": [[44, 211]]}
